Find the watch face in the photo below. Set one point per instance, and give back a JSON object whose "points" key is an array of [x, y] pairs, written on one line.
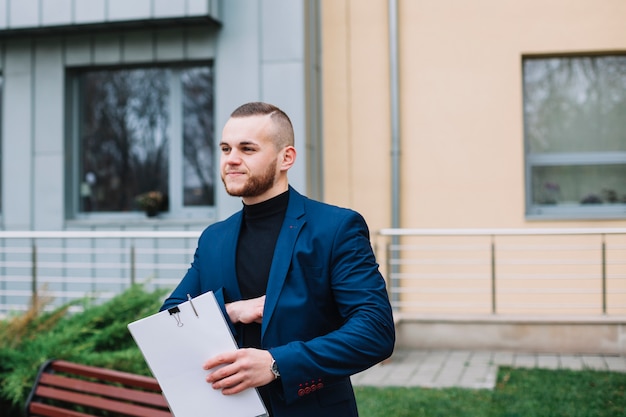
{"points": [[274, 369]]}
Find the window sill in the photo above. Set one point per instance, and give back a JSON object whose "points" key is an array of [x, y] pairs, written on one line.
{"points": [[138, 221], [588, 212]]}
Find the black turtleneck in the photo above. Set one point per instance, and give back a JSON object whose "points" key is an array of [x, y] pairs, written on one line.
{"points": [[255, 249]]}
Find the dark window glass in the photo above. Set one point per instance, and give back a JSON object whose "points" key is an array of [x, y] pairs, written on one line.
{"points": [[197, 142], [136, 126]]}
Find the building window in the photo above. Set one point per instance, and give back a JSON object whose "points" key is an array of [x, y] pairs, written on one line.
{"points": [[575, 136], [138, 130]]}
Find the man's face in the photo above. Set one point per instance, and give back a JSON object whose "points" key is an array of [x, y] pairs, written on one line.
{"points": [[248, 161]]}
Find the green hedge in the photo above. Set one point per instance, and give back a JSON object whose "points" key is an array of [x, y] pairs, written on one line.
{"points": [[98, 336]]}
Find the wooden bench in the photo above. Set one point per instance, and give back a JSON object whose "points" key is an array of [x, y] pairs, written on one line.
{"points": [[66, 389]]}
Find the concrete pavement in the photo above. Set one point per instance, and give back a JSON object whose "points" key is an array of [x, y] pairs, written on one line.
{"points": [[471, 369]]}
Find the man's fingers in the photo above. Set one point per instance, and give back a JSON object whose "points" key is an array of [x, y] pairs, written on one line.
{"points": [[233, 372], [246, 311], [218, 375], [221, 359], [234, 390], [225, 382], [232, 384]]}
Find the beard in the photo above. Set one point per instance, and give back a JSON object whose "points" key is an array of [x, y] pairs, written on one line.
{"points": [[256, 185]]}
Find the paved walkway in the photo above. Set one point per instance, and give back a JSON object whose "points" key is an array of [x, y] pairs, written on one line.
{"points": [[470, 369]]}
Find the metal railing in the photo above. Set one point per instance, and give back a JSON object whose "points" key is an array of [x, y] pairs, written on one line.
{"points": [[60, 267], [542, 272], [547, 272]]}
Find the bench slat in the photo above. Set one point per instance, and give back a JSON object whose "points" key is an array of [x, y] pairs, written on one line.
{"points": [[122, 393], [63, 388], [101, 403], [106, 374], [46, 410]]}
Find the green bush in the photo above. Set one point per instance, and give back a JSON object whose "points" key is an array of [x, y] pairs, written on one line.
{"points": [[98, 336]]}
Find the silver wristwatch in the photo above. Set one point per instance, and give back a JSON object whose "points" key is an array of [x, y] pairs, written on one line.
{"points": [[274, 369]]}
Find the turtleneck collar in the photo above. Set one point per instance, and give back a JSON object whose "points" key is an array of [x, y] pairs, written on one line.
{"points": [[267, 208]]}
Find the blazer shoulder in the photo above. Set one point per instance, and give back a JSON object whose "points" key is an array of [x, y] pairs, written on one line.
{"points": [[330, 209], [330, 217], [310, 205], [222, 226]]}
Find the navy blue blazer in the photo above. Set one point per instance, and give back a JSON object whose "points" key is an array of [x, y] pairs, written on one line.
{"points": [[327, 314]]}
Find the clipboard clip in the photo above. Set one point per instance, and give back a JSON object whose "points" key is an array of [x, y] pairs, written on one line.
{"points": [[175, 311]]}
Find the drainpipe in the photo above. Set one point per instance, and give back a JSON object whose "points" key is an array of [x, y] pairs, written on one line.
{"points": [[395, 132]]}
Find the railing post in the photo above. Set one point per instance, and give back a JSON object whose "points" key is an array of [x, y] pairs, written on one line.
{"points": [[132, 265], [393, 272], [493, 275], [33, 283], [603, 275]]}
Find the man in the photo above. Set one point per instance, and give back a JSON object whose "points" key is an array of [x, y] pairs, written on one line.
{"points": [[296, 278]]}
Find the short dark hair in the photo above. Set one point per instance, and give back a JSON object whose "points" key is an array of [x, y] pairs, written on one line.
{"points": [[284, 129]]}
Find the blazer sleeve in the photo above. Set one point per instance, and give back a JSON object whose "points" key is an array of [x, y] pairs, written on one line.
{"points": [[366, 335], [192, 283]]}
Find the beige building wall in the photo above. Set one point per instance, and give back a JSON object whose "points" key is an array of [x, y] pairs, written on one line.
{"points": [[355, 95], [462, 150], [461, 116]]}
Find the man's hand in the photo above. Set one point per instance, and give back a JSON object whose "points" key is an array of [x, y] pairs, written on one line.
{"points": [[246, 311], [241, 369]]}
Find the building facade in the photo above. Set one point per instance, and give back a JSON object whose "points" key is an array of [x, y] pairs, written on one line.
{"points": [[509, 114], [420, 114], [104, 101]]}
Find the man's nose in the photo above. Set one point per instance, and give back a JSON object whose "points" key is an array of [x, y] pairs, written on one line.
{"points": [[232, 157]]}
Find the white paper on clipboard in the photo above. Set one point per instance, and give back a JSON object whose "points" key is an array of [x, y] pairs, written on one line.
{"points": [[175, 344]]}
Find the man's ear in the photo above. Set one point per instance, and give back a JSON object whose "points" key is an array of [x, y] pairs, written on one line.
{"points": [[287, 157]]}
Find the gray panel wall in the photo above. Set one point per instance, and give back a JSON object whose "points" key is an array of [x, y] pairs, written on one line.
{"points": [[17, 135], [47, 122], [259, 55], [36, 13]]}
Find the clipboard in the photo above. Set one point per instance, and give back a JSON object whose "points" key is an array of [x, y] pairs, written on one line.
{"points": [[176, 342]]}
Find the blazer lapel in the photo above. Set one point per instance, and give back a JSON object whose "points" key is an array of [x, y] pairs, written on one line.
{"points": [[292, 225], [227, 264]]}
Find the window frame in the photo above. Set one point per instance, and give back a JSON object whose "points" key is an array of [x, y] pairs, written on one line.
{"points": [[176, 210], [575, 159]]}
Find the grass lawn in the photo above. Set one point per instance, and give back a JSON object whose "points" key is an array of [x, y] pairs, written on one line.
{"points": [[519, 393]]}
